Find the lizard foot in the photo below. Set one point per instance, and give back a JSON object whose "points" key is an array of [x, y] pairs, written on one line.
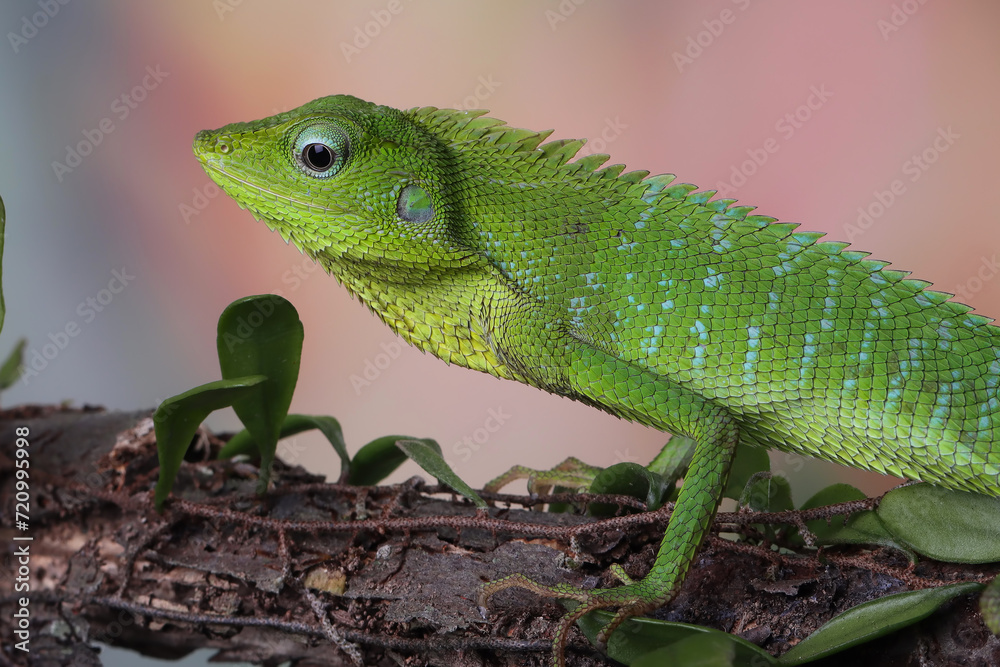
{"points": [[572, 473], [631, 599]]}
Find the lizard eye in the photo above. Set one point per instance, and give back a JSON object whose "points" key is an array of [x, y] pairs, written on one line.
{"points": [[321, 150], [318, 157]]}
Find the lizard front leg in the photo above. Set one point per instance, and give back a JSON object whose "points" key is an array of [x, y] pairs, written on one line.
{"points": [[640, 394]]}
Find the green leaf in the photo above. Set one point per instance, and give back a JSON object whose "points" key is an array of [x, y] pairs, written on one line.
{"points": [[860, 528], [178, 417], [695, 651], [377, 460], [427, 454], [749, 461], [639, 637], [674, 458], [833, 495], [3, 228], [628, 479], [562, 508], [672, 463], [243, 443], [10, 371], [989, 605], [947, 525], [871, 620], [767, 493], [262, 335]]}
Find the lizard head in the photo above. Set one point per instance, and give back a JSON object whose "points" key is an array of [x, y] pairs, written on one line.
{"points": [[345, 180]]}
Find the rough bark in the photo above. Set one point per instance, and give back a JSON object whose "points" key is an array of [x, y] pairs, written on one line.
{"points": [[280, 578]]}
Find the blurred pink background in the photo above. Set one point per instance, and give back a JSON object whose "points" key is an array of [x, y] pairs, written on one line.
{"points": [[811, 111]]}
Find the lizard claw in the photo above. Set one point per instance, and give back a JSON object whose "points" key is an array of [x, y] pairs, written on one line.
{"points": [[628, 598]]}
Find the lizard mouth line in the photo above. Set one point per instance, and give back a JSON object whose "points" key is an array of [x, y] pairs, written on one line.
{"points": [[211, 167]]}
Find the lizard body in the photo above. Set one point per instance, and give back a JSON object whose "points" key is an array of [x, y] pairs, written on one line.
{"points": [[490, 249]]}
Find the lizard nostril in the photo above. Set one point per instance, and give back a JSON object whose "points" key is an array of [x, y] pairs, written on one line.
{"points": [[206, 144]]}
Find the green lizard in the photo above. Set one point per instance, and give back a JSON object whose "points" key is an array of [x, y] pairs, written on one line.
{"points": [[490, 249]]}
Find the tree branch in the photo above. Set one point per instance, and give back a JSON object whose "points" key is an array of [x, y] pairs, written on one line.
{"points": [[329, 574]]}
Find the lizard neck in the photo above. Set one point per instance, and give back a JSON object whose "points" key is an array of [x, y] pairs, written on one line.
{"points": [[444, 313]]}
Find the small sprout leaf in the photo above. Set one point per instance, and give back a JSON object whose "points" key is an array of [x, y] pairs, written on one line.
{"points": [[427, 455], [262, 335], [178, 417]]}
